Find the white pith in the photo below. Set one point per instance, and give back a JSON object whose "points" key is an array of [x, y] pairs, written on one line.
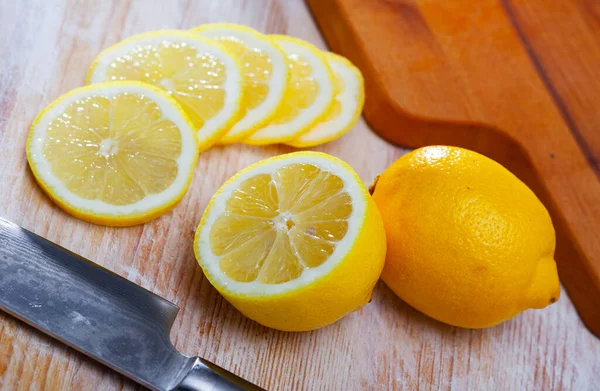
{"points": [[185, 161], [306, 116], [210, 261], [232, 85], [276, 83]]}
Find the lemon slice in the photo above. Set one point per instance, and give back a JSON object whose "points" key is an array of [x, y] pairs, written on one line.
{"points": [[201, 75], [309, 93], [294, 242], [264, 71], [346, 107], [117, 153]]}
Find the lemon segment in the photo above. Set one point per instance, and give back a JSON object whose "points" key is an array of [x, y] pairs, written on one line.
{"points": [[294, 242], [309, 93], [346, 108], [264, 72], [201, 75], [118, 153]]}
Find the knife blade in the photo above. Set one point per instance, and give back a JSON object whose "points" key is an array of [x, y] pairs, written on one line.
{"points": [[99, 313]]}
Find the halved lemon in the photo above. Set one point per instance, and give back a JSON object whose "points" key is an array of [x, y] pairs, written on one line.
{"points": [[346, 107], [309, 93], [264, 71], [117, 153], [294, 242], [200, 74]]}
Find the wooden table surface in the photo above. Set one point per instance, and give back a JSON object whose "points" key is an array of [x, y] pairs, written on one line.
{"points": [[45, 50]]}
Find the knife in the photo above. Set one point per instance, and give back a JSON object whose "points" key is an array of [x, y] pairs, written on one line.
{"points": [[101, 314]]}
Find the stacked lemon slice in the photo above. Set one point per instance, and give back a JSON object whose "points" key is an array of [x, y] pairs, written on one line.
{"points": [[264, 70], [293, 93], [122, 150]]}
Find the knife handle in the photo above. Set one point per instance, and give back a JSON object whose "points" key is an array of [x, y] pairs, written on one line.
{"points": [[206, 376]]}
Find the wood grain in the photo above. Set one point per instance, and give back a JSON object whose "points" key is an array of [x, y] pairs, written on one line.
{"points": [[46, 49], [510, 79]]}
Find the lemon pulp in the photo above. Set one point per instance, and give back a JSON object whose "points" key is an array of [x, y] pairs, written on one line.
{"points": [[308, 94], [257, 70], [334, 111], [195, 79], [115, 149], [302, 90], [345, 109], [277, 225]]}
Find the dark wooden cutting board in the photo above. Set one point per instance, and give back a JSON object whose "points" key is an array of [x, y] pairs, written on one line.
{"points": [[512, 79]]}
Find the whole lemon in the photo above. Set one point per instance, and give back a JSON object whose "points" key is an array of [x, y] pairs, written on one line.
{"points": [[468, 243]]}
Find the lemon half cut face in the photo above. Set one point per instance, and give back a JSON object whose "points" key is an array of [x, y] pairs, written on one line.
{"points": [[286, 231]]}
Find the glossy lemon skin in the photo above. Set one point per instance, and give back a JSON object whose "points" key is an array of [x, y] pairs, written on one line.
{"points": [[469, 244]]}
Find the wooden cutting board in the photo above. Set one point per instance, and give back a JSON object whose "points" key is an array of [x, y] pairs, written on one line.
{"points": [[512, 79], [45, 50]]}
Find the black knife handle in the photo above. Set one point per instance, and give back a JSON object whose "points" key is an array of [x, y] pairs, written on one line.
{"points": [[206, 376]]}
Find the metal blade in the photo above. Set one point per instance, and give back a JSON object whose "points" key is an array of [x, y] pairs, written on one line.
{"points": [[89, 308]]}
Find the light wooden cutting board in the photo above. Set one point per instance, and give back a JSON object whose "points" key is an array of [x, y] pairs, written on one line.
{"points": [[45, 49]]}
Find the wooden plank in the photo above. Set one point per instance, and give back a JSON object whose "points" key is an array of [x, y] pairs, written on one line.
{"points": [[46, 50], [462, 73]]}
